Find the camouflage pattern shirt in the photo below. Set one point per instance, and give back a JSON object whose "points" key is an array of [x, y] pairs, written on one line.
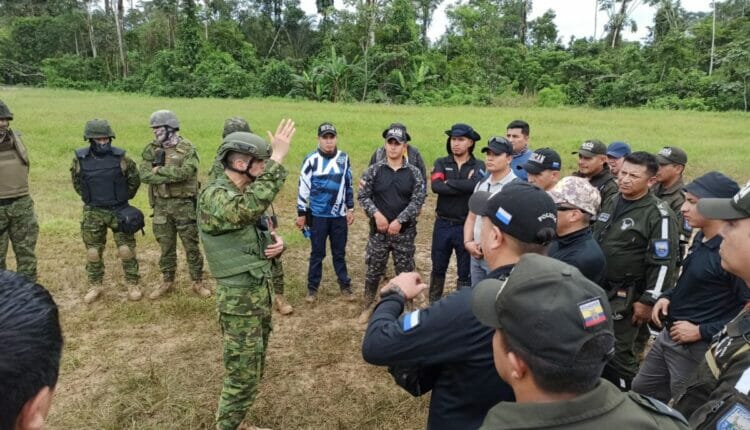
{"points": [[222, 207], [169, 174]]}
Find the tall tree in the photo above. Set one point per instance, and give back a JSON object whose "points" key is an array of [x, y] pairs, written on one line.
{"points": [[425, 9]]}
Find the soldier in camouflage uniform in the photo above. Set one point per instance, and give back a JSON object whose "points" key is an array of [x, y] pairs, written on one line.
{"points": [[94, 170], [277, 270], [239, 256], [392, 194], [170, 167], [17, 219]]}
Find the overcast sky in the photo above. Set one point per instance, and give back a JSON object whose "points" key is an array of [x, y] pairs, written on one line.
{"points": [[574, 17]]}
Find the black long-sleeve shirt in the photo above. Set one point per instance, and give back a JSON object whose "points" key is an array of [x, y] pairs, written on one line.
{"points": [[451, 346], [454, 186], [580, 250], [706, 294]]}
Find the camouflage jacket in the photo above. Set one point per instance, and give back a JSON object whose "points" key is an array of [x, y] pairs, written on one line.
{"points": [[367, 194], [169, 174], [222, 207]]}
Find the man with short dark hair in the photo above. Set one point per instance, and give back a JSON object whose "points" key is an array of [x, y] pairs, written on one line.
{"points": [[543, 168], [553, 335], [517, 133], [592, 165], [392, 195], [453, 180], [705, 299], [444, 348], [577, 203], [638, 234], [32, 343], [616, 152], [717, 397], [498, 153], [410, 152]]}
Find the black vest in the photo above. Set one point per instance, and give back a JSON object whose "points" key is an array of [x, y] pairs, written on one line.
{"points": [[102, 179]]}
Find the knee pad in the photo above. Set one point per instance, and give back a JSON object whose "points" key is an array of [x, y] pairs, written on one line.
{"points": [[92, 255], [125, 252]]}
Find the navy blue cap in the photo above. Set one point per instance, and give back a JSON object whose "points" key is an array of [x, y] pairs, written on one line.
{"points": [[713, 185], [499, 145], [618, 149], [543, 159], [466, 130]]}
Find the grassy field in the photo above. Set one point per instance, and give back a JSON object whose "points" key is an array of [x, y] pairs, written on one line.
{"points": [[157, 365]]}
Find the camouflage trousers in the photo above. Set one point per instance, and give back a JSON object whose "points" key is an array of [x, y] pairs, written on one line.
{"points": [[94, 226], [18, 225], [402, 246], [244, 305], [277, 276], [173, 217]]}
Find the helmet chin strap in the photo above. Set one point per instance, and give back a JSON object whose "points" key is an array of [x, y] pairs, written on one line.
{"points": [[245, 172]]}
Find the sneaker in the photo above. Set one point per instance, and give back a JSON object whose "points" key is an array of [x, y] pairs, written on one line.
{"points": [[282, 305], [164, 288], [134, 293], [200, 290], [348, 295], [310, 297], [92, 295]]}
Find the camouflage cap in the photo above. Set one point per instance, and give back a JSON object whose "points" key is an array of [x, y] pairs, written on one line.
{"points": [[5, 113], [573, 191], [233, 124]]}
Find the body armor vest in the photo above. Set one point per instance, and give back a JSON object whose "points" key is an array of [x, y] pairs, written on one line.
{"points": [[235, 252], [102, 179], [14, 168], [175, 156]]}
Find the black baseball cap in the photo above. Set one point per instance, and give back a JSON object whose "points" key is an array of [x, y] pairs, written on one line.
{"points": [[543, 159], [396, 131], [592, 148], [713, 185], [521, 210], [672, 155], [326, 128], [466, 130], [737, 207], [548, 308], [498, 145]]}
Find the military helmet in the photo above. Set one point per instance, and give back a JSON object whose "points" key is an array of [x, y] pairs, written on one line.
{"points": [[5, 113], [235, 124], [97, 128], [161, 118], [245, 143]]}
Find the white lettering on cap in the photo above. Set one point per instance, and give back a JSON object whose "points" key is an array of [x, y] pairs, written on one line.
{"points": [[547, 215], [666, 152], [326, 127], [396, 131], [536, 157], [588, 146]]}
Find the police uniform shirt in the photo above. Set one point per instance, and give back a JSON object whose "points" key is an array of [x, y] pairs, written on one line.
{"points": [[448, 344]]}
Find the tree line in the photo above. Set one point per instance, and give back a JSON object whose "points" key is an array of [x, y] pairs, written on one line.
{"points": [[378, 51]]}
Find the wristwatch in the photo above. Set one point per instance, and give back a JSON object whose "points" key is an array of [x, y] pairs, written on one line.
{"points": [[392, 288]]}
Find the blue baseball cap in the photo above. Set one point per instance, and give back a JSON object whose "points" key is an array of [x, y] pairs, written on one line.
{"points": [[618, 149]]}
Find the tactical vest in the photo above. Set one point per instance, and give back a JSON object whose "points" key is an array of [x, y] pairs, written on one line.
{"points": [[102, 178], [174, 157], [236, 252], [14, 169]]}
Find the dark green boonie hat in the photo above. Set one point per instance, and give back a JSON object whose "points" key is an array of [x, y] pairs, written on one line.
{"points": [[5, 113], [97, 128], [245, 143], [737, 207], [548, 308], [672, 155], [235, 124]]}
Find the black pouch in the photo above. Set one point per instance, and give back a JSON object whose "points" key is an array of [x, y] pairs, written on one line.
{"points": [[415, 380], [129, 219]]}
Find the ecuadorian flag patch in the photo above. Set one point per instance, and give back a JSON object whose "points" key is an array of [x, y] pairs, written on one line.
{"points": [[592, 313], [411, 320]]}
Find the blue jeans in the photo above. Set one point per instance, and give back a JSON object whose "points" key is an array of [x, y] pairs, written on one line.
{"points": [[448, 237], [479, 270], [336, 230]]}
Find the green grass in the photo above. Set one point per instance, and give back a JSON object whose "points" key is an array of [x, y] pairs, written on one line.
{"points": [[157, 365]]}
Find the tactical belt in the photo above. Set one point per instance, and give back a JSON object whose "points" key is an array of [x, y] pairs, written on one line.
{"points": [[711, 361]]}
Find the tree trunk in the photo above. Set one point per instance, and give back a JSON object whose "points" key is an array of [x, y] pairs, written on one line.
{"points": [[91, 32], [524, 18], [619, 21], [713, 43], [120, 42], [107, 6]]}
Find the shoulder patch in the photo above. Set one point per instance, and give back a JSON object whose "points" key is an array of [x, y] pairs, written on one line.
{"points": [[743, 384], [603, 217], [738, 417], [411, 321], [661, 248], [653, 405]]}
